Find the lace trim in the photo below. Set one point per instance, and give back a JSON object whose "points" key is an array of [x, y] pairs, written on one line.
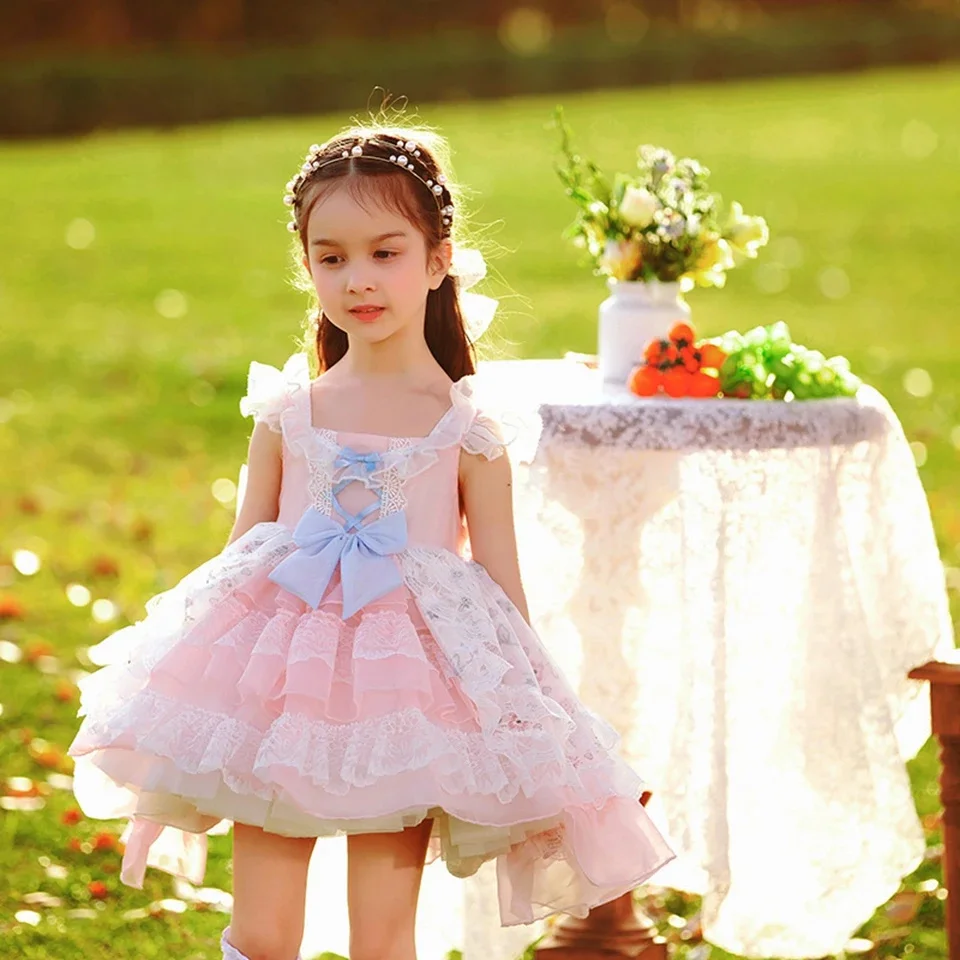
{"points": [[620, 420], [318, 448], [337, 757]]}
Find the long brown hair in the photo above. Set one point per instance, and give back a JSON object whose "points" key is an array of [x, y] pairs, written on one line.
{"points": [[371, 179]]}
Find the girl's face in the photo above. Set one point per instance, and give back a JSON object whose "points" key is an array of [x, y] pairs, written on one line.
{"points": [[370, 267]]}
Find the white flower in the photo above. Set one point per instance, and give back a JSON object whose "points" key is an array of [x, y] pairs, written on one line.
{"points": [[672, 225], [638, 207], [693, 224], [620, 258], [746, 234], [661, 161]]}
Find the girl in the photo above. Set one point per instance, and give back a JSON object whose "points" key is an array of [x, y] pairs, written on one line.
{"points": [[342, 666]]}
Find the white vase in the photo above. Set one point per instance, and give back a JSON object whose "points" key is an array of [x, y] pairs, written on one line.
{"points": [[634, 314]]}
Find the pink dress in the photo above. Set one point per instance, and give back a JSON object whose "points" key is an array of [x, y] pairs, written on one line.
{"points": [[346, 669]]}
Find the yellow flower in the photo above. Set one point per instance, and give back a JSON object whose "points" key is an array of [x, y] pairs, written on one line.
{"points": [[620, 258], [746, 234], [710, 269]]}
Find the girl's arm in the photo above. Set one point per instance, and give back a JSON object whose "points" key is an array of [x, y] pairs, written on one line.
{"points": [[487, 490], [261, 501]]}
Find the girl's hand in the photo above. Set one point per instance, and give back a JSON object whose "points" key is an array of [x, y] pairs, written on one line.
{"points": [[261, 501], [487, 490]]}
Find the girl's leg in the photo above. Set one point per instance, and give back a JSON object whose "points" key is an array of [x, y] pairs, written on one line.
{"points": [[383, 884], [269, 894]]}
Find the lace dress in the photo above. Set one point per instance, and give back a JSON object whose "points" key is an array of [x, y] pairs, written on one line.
{"points": [[345, 669]]}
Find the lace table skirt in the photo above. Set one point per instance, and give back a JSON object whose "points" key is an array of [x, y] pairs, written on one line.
{"points": [[741, 589]]}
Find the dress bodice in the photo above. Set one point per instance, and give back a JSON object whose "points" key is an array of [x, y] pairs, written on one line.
{"points": [[357, 478]]}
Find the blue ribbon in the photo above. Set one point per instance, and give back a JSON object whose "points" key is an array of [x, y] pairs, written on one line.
{"points": [[367, 570], [348, 457]]}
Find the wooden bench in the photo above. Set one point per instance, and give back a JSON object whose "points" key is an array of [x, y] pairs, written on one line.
{"points": [[945, 713]]}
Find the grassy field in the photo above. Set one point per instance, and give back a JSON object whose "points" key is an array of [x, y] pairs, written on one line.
{"points": [[142, 272]]}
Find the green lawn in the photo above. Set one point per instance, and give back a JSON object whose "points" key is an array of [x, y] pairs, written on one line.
{"points": [[115, 420]]}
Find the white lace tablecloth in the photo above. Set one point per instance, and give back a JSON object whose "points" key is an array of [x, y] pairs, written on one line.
{"points": [[741, 588]]}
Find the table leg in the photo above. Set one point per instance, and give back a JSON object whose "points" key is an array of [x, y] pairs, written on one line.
{"points": [[945, 710]]}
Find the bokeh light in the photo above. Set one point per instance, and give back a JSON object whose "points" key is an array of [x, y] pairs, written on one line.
{"points": [[626, 22], [80, 234], [26, 562], [224, 490], [78, 594], [171, 304], [103, 611], [834, 283], [526, 31], [918, 139], [918, 382]]}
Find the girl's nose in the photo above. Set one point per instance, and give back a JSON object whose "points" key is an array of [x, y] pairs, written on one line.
{"points": [[359, 280]]}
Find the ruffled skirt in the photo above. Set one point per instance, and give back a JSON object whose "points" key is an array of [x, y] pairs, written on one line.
{"points": [[234, 700]]}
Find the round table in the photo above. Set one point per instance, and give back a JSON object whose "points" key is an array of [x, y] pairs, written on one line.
{"points": [[741, 589]]}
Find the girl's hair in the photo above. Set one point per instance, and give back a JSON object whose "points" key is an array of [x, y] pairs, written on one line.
{"points": [[398, 168]]}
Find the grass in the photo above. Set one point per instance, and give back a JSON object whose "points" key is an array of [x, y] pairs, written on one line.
{"points": [[116, 420]]}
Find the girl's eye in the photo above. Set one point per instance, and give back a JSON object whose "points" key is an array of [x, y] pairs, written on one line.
{"points": [[385, 254], [330, 260]]}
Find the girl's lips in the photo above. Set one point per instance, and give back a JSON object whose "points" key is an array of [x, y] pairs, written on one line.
{"points": [[367, 314]]}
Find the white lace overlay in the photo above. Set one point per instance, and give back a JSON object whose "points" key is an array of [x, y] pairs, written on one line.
{"points": [[742, 588]]}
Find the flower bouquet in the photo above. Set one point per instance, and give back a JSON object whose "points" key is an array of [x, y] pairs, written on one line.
{"points": [[655, 233]]}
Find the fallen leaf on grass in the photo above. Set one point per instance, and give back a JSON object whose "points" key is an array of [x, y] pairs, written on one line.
{"points": [[41, 899], [104, 566], [933, 854], [105, 841], [47, 665], [903, 907], [22, 804], [21, 787], [60, 781], [65, 691], [46, 754], [36, 649], [169, 905], [10, 608]]}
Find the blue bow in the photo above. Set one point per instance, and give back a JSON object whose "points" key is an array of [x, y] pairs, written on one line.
{"points": [[367, 571], [347, 457]]}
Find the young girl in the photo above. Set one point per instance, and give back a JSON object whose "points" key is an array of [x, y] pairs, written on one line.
{"points": [[342, 667]]}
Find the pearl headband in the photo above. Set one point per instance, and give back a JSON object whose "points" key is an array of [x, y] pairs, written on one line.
{"points": [[401, 153]]}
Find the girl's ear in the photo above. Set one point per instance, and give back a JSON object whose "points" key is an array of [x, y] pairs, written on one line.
{"points": [[306, 263], [438, 263]]}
